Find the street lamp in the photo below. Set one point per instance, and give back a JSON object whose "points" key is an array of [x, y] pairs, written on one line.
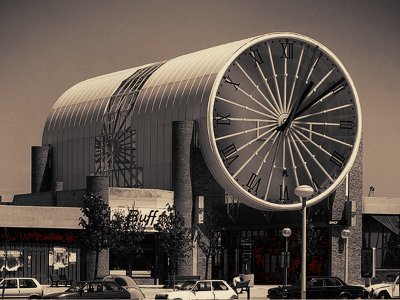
{"points": [[304, 191], [345, 235], [286, 232]]}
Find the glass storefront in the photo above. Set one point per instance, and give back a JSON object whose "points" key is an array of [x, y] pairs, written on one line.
{"points": [[259, 252], [382, 233]]}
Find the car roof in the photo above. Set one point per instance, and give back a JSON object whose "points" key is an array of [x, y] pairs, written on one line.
{"points": [[129, 280]]}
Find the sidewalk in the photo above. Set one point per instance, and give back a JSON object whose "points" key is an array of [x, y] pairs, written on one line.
{"points": [[256, 292]]}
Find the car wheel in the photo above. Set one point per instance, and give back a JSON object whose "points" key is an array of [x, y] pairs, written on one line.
{"points": [[383, 295], [345, 296]]}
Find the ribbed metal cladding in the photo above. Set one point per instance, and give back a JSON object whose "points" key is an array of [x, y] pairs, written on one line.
{"points": [[179, 90]]}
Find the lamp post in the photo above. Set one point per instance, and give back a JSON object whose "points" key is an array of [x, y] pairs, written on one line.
{"points": [[304, 191], [345, 235], [286, 232]]}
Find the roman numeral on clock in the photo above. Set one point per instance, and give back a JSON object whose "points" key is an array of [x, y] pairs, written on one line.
{"points": [[255, 54], [230, 81], [253, 183], [283, 193], [287, 50], [228, 154], [346, 124], [337, 159], [223, 119]]}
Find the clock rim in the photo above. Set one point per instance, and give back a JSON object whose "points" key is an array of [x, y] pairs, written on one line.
{"points": [[217, 166]]}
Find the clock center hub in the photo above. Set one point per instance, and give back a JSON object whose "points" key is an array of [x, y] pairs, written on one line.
{"points": [[282, 118]]}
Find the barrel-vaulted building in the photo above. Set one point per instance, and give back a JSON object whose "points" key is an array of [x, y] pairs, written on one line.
{"points": [[226, 134], [121, 123]]}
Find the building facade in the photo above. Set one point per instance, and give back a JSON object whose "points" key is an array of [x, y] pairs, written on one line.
{"points": [[146, 133]]}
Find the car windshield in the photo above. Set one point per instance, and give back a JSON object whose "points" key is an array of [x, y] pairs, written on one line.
{"points": [[187, 286], [298, 282]]}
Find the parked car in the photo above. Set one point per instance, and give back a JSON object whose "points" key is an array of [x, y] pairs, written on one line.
{"points": [[21, 288], [127, 283], [93, 290], [387, 287], [320, 288], [201, 289]]}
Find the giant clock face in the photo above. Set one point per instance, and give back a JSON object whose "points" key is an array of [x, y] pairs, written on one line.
{"points": [[285, 113]]}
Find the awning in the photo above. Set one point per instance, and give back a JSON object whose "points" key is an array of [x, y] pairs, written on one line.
{"points": [[391, 222]]}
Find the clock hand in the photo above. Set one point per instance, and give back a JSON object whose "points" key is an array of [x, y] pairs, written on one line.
{"points": [[334, 88], [292, 114]]}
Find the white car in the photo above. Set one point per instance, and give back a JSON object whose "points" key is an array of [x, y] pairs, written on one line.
{"points": [[127, 283], [28, 288], [201, 289], [388, 288]]}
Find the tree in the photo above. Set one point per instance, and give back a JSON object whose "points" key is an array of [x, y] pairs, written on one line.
{"points": [[208, 237], [175, 238], [128, 233], [97, 233]]}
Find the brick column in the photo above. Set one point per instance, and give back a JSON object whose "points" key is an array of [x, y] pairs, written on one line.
{"points": [[182, 132], [98, 185], [40, 169], [355, 240]]}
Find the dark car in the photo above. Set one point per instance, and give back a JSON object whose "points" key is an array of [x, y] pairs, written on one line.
{"points": [[92, 290], [320, 288]]}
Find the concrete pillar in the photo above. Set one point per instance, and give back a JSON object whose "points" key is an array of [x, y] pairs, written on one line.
{"points": [[98, 185], [182, 132], [40, 169], [56, 186], [337, 256]]}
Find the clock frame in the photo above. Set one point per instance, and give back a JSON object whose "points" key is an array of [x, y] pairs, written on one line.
{"points": [[284, 112]]}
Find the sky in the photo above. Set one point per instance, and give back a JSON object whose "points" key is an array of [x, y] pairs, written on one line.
{"points": [[46, 46]]}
